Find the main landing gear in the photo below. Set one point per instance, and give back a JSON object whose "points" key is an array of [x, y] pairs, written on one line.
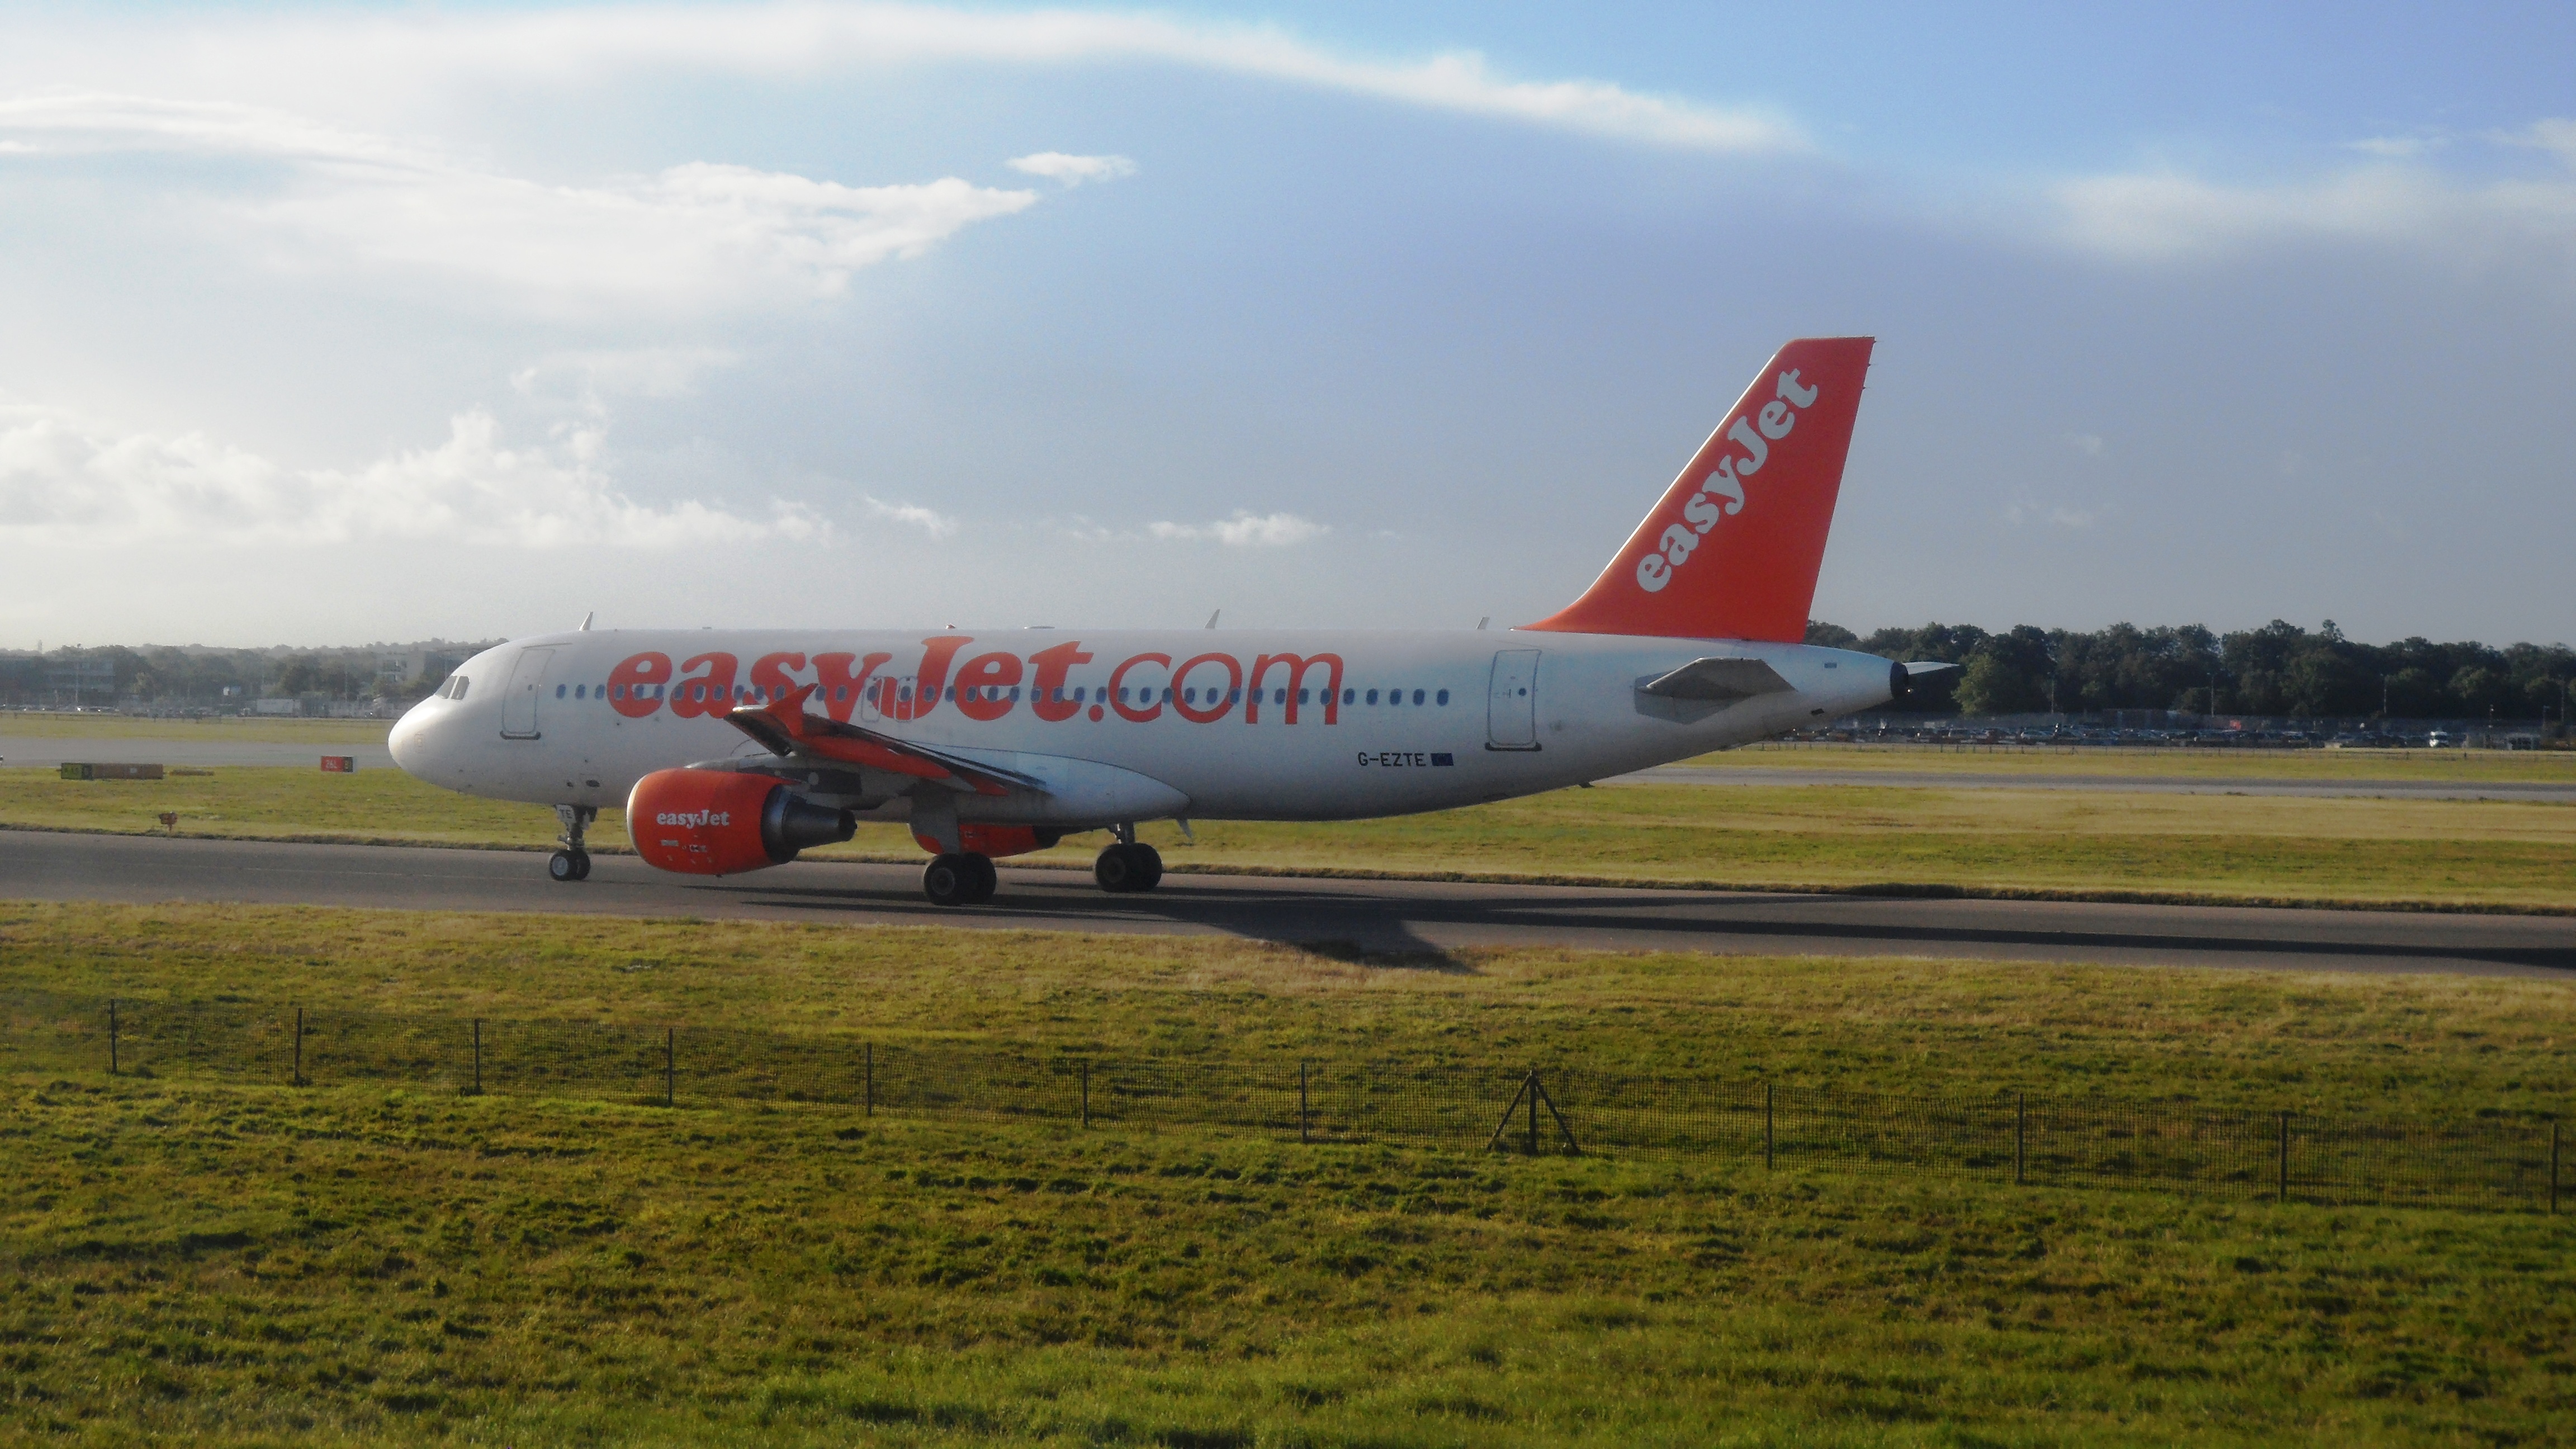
{"points": [[572, 863], [962, 879], [1128, 865]]}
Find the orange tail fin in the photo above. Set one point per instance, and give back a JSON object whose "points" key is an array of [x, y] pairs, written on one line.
{"points": [[1731, 551]]}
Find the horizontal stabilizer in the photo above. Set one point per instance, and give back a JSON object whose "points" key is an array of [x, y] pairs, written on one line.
{"points": [[1719, 679]]}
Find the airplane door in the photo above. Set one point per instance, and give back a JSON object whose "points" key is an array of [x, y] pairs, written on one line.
{"points": [[1511, 709], [873, 699], [519, 707]]}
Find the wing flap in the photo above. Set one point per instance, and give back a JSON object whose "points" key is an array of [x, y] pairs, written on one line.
{"points": [[784, 728]]}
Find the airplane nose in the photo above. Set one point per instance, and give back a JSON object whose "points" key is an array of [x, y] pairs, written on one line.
{"points": [[408, 740]]}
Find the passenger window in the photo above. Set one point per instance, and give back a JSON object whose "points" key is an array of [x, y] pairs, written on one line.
{"points": [[1444, 696], [1417, 696], [1350, 695], [1301, 695], [1234, 696], [1372, 696], [1278, 696]]}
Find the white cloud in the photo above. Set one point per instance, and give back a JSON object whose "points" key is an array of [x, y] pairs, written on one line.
{"points": [[930, 521], [1074, 170], [2395, 148], [2557, 134], [65, 483], [2164, 216], [382, 60], [2090, 445], [660, 373], [1244, 530], [691, 238]]}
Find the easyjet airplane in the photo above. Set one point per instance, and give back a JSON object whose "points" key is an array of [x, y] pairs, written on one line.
{"points": [[734, 750]]}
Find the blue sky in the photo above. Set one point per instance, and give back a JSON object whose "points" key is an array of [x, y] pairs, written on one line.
{"points": [[331, 324]]}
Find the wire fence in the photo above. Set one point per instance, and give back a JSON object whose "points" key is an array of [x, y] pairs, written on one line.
{"points": [[2010, 1136]]}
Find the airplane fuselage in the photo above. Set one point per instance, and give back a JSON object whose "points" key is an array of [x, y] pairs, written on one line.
{"points": [[1122, 725]]}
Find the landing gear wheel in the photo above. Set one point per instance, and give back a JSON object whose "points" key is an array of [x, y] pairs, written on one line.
{"points": [[1124, 869], [964, 879], [1115, 870], [572, 863]]}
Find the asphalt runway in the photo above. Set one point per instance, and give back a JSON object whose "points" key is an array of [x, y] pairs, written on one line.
{"points": [[50, 754], [45, 753], [1415, 916]]}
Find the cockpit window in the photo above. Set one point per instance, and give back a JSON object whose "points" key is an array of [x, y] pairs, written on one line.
{"points": [[461, 683]]}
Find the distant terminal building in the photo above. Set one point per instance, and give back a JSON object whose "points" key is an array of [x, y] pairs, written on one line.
{"points": [[76, 680]]}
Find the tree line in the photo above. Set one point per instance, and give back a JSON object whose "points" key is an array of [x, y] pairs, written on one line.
{"points": [[2278, 670], [169, 675]]}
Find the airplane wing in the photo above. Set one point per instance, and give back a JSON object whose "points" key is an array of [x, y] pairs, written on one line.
{"points": [[784, 728]]}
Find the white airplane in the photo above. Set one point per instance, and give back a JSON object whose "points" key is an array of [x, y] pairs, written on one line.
{"points": [[734, 750]]}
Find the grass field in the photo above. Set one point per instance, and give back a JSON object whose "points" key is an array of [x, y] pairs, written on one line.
{"points": [[238, 1264], [2489, 854]]}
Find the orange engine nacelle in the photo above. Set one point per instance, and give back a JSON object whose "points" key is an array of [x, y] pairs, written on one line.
{"points": [[718, 822]]}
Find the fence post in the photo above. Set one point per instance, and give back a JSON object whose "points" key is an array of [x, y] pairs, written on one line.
{"points": [[1533, 1114], [869, 1066], [1766, 1126], [2553, 1167], [1086, 1095], [2285, 1157], [2021, 1134], [670, 1064], [111, 1036], [1302, 1135], [299, 1046], [478, 1056]]}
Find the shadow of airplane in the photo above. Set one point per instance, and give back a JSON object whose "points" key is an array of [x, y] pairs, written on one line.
{"points": [[1386, 919]]}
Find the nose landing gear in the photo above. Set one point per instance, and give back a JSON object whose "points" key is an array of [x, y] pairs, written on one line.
{"points": [[572, 863], [1128, 865], [960, 879]]}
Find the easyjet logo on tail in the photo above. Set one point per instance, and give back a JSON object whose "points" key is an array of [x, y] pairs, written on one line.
{"points": [[1722, 491]]}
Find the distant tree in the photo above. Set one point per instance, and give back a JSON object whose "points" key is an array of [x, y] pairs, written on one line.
{"points": [[1991, 685], [303, 674], [1830, 636]]}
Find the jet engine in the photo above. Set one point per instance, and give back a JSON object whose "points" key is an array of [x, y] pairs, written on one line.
{"points": [[719, 822]]}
